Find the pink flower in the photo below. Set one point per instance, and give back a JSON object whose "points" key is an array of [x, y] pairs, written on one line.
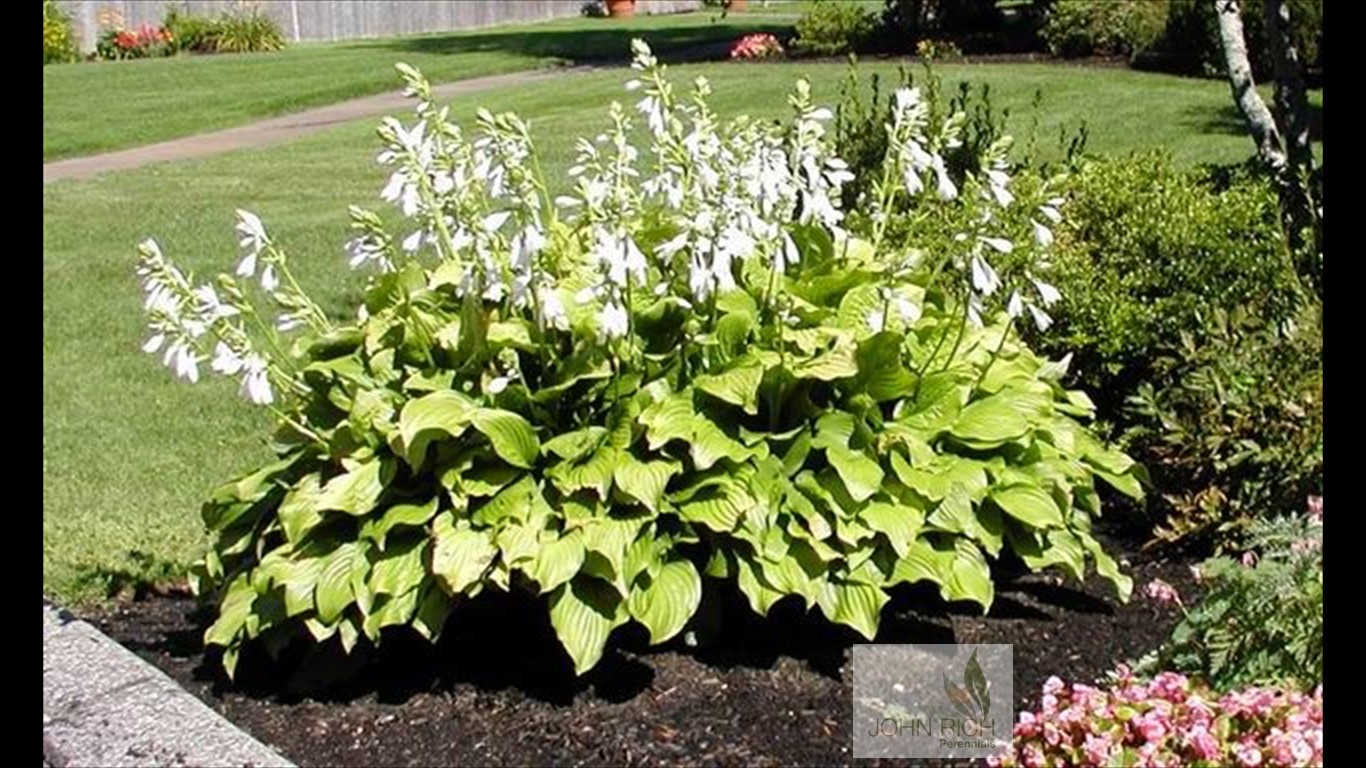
{"points": [[1162, 592], [1249, 559], [1202, 742], [1316, 508], [1151, 726], [1098, 749], [1248, 754]]}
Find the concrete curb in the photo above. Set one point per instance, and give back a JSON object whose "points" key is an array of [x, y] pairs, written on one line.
{"points": [[104, 706]]}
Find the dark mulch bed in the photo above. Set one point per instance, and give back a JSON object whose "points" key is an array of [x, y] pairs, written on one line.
{"points": [[498, 691]]}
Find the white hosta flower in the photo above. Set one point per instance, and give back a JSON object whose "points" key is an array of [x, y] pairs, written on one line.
{"points": [[525, 245], [1047, 293], [1051, 213], [984, 279], [494, 221], [269, 280], [877, 320], [612, 321], [256, 382], [996, 184], [945, 188], [253, 233], [1015, 307], [999, 244], [210, 307], [226, 361], [1041, 318], [497, 384], [364, 250], [154, 343], [1042, 235], [183, 360], [552, 309], [288, 322]]}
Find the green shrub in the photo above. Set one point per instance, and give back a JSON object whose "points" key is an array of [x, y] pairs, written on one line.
{"points": [[527, 401], [191, 33], [915, 19], [1190, 43], [246, 29], [1179, 301], [1074, 28], [59, 43], [1260, 620], [834, 28], [1232, 424]]}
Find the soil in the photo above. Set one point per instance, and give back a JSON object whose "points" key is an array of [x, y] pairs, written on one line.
{"points": [[498, 689]]}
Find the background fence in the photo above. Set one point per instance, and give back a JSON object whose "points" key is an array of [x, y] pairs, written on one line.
{"points": [[348, 19]]}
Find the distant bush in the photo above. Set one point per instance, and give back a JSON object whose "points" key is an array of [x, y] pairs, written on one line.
{"points": [[247, 30], [1190, 44], [1074, 28], [1184, 316], [190, 33], [59, 45], [833, 28]]}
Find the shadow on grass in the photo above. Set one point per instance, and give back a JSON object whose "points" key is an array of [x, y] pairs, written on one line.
{"points": [[611, 41], [1228, 121]]}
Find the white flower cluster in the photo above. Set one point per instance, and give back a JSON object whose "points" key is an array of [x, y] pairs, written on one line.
{"points": [[186, 319]]}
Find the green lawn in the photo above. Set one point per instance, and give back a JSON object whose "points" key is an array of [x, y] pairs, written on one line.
{"points": [[89, 108], [128, 453]]}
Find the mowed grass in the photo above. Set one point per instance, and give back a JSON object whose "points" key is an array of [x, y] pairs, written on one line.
{"points": [[129, 453], [94, 107]]}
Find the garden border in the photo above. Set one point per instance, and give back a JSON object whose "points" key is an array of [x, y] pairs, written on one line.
{"points": [[103, 705]]}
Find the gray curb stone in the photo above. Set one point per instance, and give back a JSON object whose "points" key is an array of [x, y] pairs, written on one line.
{"points": [[104, 706]]}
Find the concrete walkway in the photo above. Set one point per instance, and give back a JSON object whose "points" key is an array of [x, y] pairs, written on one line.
{"points": [[105, 706], [284, 128]]}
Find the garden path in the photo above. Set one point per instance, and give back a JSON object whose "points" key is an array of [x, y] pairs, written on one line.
{"points": [[284, 128]]}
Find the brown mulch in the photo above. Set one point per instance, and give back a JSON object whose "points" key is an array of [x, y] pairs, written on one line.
{"points": [[498, 689]]}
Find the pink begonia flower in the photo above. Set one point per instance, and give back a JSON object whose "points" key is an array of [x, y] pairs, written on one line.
{"points": [[1033, 756], [1151, 726], [1249, 559], [1054, 685], [1098, 749], [1162, 592], [1316, 508], [1248, 754], [1202, 742]]}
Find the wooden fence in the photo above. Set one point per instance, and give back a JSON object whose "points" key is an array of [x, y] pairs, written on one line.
{"points": [[349, 19]]}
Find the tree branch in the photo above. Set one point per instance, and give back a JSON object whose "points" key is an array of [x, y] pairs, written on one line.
{"points": [[1260, 123]]}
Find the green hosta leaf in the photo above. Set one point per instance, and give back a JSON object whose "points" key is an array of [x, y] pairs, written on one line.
{"points": [[594, 473], [718, 507], [938, 403], [390, 611], [515, 502], [233, 612], [512, 437], [969, 576], [510, 334], [1107, 568], [761, 595], [430, 615], [861, 475], [481, 482], [991, 421], [644, 481], [924, 561], [838, 363], [881, 373], [710, 444], [557, 561], [401, 568], [433, 416], [1029, 504], [733, 330], [462, 555], [669, 419], [833, 429], [859, 307], [900, 523], [1126, 484], [354, 491], [666, 601], [572, 446], [396, 516], [335, 588], [855, 605], [299, 511], [583, 613], [795, 456], [737, 385]]}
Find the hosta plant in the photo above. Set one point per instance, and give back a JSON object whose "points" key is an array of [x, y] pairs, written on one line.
{"points": [[685, 366]]}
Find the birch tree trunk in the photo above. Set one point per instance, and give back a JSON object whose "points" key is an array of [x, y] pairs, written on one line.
{"points": [[1260, 122]]}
